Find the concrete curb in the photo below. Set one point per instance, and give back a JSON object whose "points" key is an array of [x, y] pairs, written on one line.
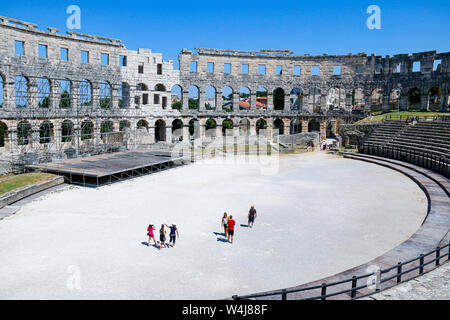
{"points": [[18, 194]]}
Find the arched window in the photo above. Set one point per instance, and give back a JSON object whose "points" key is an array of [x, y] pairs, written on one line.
{"points": [[227, 99], [193, 97], [85, 93], [177, 97], [64, 93], [160, 130], [3, 134], [46, 132], [261, 98], [21, 91], [43, 91], [106, 128], [124, 95], [227, 127], [210, 95], [278, 99], [210, 127], [244, 98], [66, 131], [261, 124], [105, 95], [87, 129], [23, 133], [142, 124]]}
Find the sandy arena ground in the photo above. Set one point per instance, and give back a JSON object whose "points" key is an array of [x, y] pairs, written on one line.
{"points": [[318, 216]]}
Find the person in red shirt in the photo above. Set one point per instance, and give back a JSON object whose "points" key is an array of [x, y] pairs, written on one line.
{"points": [[231, 224]]}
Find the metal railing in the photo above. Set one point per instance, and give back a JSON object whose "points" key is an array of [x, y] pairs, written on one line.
{"points": [[443, 118], [393, 275], [423, 159]]}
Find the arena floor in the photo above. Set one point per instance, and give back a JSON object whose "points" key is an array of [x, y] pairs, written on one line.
{"points": [[319, 215]]}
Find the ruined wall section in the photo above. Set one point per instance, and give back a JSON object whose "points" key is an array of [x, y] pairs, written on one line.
{"points": [[359, 74]]}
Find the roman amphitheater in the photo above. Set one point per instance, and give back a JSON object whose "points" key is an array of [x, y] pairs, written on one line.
{"points": [[86, 108]]}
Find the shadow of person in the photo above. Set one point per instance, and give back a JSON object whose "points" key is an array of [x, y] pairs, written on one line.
{"points": [[146, 244], [244, 225], [219, 234], [222, 240]]}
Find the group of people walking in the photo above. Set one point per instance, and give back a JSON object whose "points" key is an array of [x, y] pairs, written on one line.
{"points": [[228, 223], [162, 235]]}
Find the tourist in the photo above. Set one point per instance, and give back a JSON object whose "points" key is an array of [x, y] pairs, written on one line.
{"points": [[150, 234], [225, 224], [162, 237], [251, 216], [231, 224], [173, 234]]}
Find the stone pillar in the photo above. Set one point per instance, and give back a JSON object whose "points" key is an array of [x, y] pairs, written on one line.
{"points": [[58, 134], [201, 101], [219, 101], [74, 96], [287, 102], [236, 101], [323, 103], [253, 101], [334, 127], [186, 135], [348, 100], [219, 130], [305, 126], [424, 105], [323, 129], [444, 100], [12, 135], [252, 128], [8, 97], [32, 94], [97, 133], [403, 101], [235, 130], [287, 128], [185, 102], [367, 102], [269, 101], [95, 95], [169, 134], [35, 135], [115, 96], [54, 95], [385, 103]]}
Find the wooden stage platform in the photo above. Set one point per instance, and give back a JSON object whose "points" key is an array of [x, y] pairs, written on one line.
{"points": [[104, 169]]}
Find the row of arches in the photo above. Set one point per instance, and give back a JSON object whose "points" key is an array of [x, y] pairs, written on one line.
{"points": [[335, 98], [63, 91], [26, 133], [45, 90]]}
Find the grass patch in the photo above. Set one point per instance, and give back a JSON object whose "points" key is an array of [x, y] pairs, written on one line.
{"points": [[11, 182], [380, 117]]}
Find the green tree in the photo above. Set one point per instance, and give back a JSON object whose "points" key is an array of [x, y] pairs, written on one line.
{"points": [[176, 105], [64, 101], [45, 103], [193, 103]]}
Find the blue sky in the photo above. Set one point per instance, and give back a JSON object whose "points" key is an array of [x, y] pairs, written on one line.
{"points": [[314, 27]]}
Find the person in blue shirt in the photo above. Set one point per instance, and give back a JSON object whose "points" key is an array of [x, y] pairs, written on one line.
{"points": [[173, 234]]}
